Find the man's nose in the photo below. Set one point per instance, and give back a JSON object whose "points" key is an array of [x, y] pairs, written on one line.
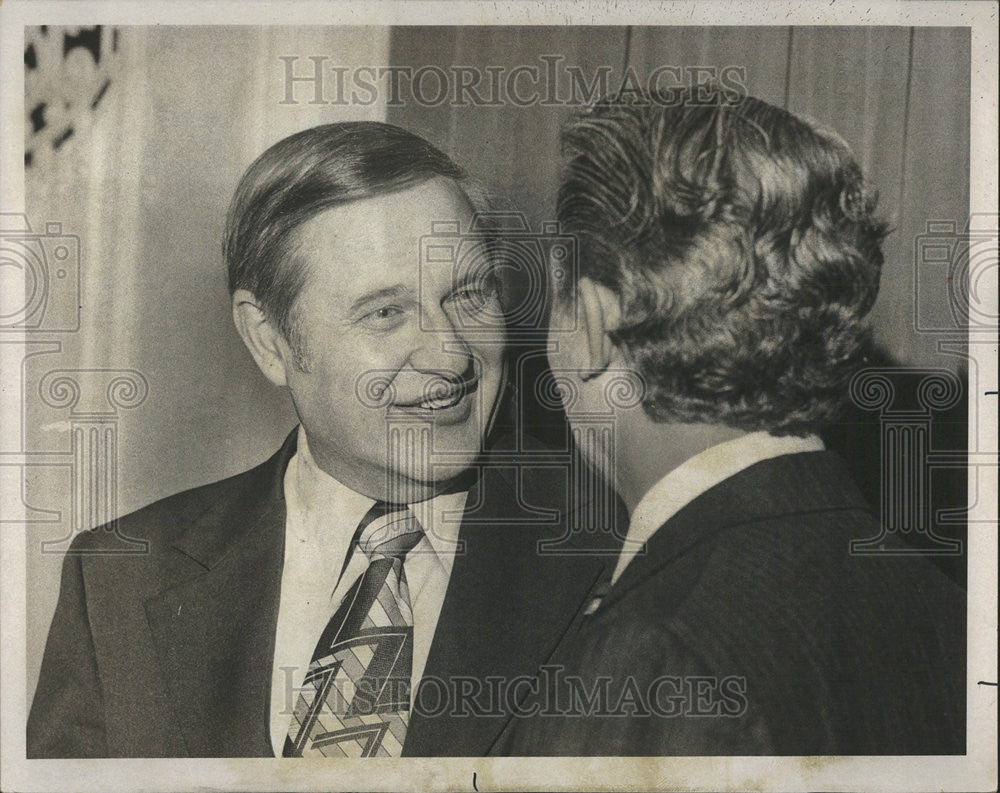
{"points": [[440, 345]]}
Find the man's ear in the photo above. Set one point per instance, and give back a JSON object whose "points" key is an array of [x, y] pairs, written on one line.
{"points": [[600, 313], [265, 342]]}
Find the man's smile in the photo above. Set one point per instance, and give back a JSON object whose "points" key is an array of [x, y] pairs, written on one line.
{"points": [[442, 398]]}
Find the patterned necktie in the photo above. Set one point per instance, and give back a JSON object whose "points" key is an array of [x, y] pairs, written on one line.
{"points": [[355, 699]]}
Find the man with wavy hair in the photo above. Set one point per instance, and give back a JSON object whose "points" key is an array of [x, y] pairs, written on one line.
{"points": [[729, 254]]}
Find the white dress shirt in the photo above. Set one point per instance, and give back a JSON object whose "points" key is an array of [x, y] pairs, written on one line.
{"points": [[322, 517], [698, 474]]}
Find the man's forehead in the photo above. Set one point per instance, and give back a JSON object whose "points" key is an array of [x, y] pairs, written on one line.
{"points": [[418, 237], [387, 224]]}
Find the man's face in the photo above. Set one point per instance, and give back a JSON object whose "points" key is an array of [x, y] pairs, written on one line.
{"points": [[403, 357], [583, 396]]}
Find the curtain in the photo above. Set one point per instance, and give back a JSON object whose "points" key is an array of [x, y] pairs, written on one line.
{"points": [[136, 384]]}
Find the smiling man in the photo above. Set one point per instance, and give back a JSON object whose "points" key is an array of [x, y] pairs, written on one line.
{"points": [[349, 596]]}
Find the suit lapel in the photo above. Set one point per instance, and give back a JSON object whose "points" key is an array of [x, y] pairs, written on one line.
{"points": [[505, 610], [214, 630]]}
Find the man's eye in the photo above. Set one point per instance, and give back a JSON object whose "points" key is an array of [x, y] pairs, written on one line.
{"points": [[382, 317], [475, 298], [472, 297]]}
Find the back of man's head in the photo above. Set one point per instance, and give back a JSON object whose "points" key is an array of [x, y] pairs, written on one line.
{"points": [[741, 243]]}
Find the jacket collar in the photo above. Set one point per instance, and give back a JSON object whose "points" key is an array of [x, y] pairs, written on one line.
{"points": [[785, 485]]}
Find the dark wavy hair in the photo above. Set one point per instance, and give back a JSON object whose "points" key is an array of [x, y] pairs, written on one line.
{"points": [[301, 176], [742, 244]]}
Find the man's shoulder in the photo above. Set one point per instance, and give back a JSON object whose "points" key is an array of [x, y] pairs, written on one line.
{"points": [[782, 540], [807, 562], [822, 635], [513, 460], [760, 563], [155, 526], [511, 444], [541, 468], [558, 486]]}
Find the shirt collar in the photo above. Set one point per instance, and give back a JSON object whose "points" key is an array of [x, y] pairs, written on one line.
{"points": [[697, 475], [314, 496]]}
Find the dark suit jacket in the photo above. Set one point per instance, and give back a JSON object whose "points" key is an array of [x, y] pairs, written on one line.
{"points": [[766, 635], [170, 653]]}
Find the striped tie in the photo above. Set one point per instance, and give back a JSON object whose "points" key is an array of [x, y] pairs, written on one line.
{"points": [[355, 699]]}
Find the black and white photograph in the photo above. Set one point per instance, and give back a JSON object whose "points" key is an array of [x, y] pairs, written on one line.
{"points": [[499, 396]]}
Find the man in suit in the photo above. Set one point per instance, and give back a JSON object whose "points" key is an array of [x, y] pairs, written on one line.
{"points": [[347, 596], [728, 257]]}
